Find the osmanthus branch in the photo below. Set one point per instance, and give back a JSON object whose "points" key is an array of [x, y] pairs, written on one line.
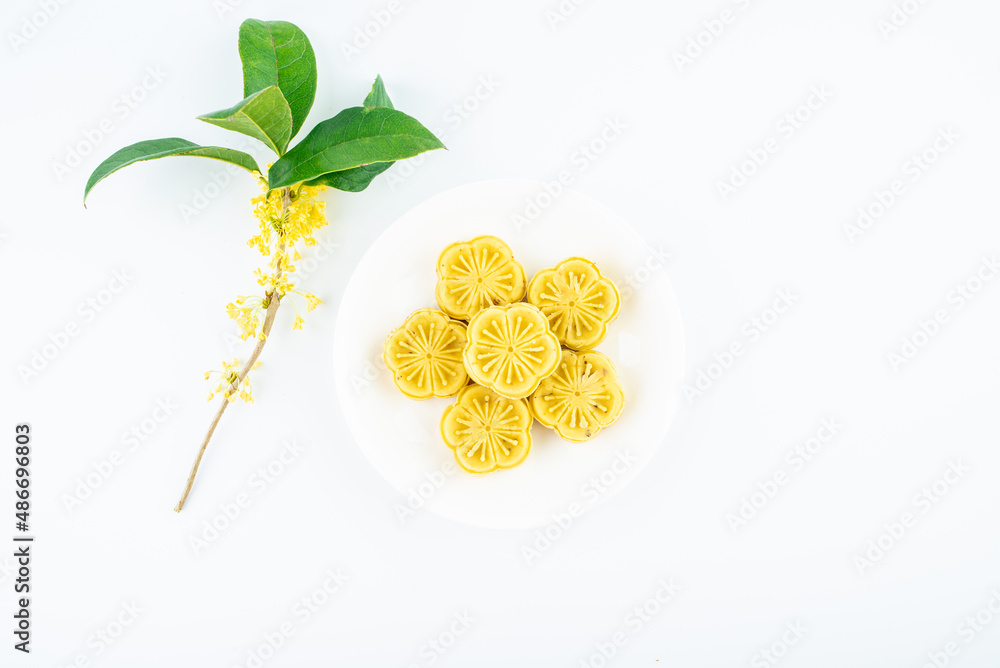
{"points": [[345, 152], [273, 300]]}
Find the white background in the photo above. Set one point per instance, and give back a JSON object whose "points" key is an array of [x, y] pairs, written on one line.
{"points": [[686, 129]]}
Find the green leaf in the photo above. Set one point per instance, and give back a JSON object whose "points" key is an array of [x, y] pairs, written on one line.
{"points": [[357, 179], [353, 138], [352, 180], [161, 148], [378, 97], [265, 115], [278, 53]]}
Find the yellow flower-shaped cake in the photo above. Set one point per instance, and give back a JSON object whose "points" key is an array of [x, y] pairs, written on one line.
{"points": [[487, 431], [510, 349], [580, 398], [577, 300], [425, 355], [477, 274]]}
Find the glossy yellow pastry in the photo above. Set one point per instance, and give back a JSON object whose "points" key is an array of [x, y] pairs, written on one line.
{"points": [[477, 274], [577, 300], [510, 349], [425, 355], [487, 431], [580, 398]]}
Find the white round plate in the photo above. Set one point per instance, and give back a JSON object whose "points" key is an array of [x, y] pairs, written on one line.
{"points": [[401, 437]]}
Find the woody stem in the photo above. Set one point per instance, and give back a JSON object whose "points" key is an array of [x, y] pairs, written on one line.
{"points": [[273, 300]]}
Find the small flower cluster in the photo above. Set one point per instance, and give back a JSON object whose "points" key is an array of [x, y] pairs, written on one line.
{"points": [[229, 383], [284, 224], [287, 219]]}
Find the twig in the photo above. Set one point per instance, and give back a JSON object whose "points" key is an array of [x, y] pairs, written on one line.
{"points": [[273, 300]]}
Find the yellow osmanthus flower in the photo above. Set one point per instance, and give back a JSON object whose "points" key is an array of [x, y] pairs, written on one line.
{"points": [[229, 383], [277, 239], [246, 312], [312, 301], [279, 235]]}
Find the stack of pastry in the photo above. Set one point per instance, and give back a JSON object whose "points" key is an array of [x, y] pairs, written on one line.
{"points": [[511, 352]]}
